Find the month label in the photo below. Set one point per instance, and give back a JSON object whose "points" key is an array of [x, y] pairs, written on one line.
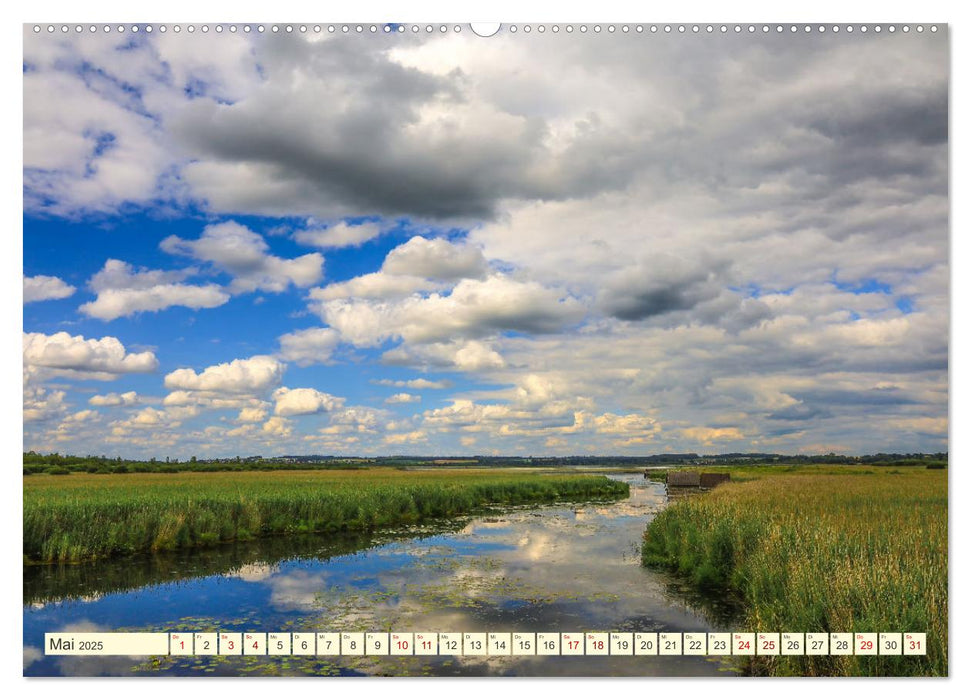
{"points": [[100, 644]]}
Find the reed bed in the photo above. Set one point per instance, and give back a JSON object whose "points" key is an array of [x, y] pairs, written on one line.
{"points": [[821, 553], [82, 517]]}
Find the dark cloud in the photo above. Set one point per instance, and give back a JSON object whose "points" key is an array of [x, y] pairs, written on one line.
{"points": [[660, 286], [799, 412], [872, 398], [918, 116]]}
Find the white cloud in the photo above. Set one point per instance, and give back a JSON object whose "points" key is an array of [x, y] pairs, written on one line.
{"points": [[129, 398], [419, 383], [43, 287], [123, 291], [211, 399], [300, 402], [309, 346], [419, 265], [436, 259], [278, 427], [465, 356], [414, 436], [41, 404], [254, 375], [645, 279], [474, 308], [84, 416], [629, 425], [64, 354], [403, 397], [340, 235], [153, 419], [933, 425], [117, 274], [375, 285], [243, 254], [86, 148], [709, 436], [354, 419], [252, 414]]}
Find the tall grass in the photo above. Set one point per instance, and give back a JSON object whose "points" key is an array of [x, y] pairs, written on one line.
{"points": [[82, 517], [821, 553]]}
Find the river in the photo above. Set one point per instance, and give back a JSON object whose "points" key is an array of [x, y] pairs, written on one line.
{"points": [[562, 568]]}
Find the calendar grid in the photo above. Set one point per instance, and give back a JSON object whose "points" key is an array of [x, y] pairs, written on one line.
{"points": [[486, 644]]}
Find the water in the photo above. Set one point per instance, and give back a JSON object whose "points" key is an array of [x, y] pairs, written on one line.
{"points": [[534, 569]]}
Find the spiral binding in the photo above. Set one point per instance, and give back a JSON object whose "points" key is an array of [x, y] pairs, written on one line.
{"points": [[367, 29]]}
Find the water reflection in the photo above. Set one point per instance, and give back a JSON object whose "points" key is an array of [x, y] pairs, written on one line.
{"points": [[562, 568], [57, 582]]}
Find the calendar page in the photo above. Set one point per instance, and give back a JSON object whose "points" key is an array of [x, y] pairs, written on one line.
{"points": [[585, 349]]}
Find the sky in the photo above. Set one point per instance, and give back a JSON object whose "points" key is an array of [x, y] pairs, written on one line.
{"points": [[534, 244]]}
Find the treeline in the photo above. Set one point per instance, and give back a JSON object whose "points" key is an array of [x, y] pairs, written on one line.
{"points": [[35, 463], [68, 464]]}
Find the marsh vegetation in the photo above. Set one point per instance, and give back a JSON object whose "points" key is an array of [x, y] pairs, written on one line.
{"points": [[819, 549]]}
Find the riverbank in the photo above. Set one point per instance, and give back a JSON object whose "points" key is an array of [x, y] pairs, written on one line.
{"points": [[857, 550], [83, 517]]}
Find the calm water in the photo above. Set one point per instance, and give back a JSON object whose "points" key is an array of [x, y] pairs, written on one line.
{"points": [[559, 568]]}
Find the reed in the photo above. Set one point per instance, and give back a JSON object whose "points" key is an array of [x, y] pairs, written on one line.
{"points": [[82, 517], [814, 552]]}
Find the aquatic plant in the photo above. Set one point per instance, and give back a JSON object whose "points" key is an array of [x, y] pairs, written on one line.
{"points": [[81, 517], [820, 553]]}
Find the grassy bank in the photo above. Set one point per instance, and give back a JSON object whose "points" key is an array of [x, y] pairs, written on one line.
{"points": [[858, 550], [81, 517]]}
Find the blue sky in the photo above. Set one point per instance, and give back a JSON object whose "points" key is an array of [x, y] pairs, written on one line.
{"points": [[409, 244]]}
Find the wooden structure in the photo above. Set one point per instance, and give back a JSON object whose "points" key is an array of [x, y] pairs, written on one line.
{"points": [[691, 479], [710, 480], [684, 479]]}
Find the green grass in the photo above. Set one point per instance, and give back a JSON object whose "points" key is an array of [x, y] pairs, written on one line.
{"points": [[820, 550], [82, 517]]}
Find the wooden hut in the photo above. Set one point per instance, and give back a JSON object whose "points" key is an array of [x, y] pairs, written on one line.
{"points": [[684, 479], [710, 480]]}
